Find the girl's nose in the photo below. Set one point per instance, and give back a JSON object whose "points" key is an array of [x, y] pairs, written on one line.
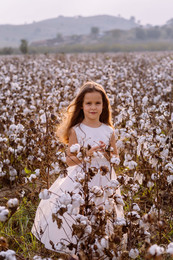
{"points": [[93, 106]]}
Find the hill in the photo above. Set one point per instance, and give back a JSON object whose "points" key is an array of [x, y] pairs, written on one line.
{"points": [[10, 35]]}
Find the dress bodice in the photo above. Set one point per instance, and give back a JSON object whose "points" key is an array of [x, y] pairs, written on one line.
{"points": [[87, 135]]}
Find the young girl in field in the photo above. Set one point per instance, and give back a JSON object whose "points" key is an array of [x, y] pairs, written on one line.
{"points": [[89, 133]]}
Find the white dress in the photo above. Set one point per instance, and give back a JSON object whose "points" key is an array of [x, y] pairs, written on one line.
{"points": [[45, 226]]}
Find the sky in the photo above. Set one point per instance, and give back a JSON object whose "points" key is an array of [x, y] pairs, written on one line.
{"points": [[155, 12]]}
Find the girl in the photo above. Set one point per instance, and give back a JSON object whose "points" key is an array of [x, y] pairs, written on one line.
{"points": [[73, 200]]}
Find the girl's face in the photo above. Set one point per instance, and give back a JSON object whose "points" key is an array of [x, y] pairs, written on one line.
{"points": [[92, 106]]}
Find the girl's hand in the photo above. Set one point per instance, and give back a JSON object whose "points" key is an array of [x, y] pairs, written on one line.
{"points": [[100, 147]]}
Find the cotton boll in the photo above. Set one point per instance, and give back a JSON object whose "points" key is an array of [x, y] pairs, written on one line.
{"points": [[65, 199], [75, 211], [80, 176], [45, 194], [133, 214], [111, 149], [59, 247], [158, 130], [128, 157], [84, 222], [109, 192], [8, 255], [69, 209], [31, 177], [20, 128], [104, 242], [154, 176], [164, 154], [42, 118], [133, 253], [114, 184], [169, 167], [132, 165], [77, 200], [94, 154], [120, 145], [2, 173], [99, 154], [12, 128], [12, 203], [170, 249], [87, 159], [97, 191], [26, 111], [170, 179], [12, 178], [153, 161], [88, 229], [136, 207], [37, 172], [75, 148], [12, 171], [4, 215], [79, 155], [119, 199], [138, 177], [135, 187], [115, 160], [156, 250], [150, 184], [152, 148], [63, 159], [2, 208]]}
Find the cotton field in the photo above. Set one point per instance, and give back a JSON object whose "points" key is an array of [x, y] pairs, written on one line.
{"points": [[35, 90]]}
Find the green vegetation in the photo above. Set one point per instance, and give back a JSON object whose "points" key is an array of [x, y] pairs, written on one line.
{"points": [[18, 232], [24, 46]]}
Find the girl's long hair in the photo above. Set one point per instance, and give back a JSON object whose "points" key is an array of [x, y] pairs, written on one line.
{"points": [[75, 115]]}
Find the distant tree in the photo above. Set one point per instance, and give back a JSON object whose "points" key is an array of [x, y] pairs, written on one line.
{"points": [[59, 37], [7, 50], [132, 19], [140, 34], [169, 32], [95, 31], [24, 46], [154, 32]]}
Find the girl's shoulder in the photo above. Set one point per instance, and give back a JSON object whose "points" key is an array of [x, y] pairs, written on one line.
{"points": [[108, 128], [75, 126]]}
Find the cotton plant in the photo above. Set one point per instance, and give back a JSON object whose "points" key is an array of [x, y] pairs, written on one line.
{"points": [[24, 139], [92, 211]]}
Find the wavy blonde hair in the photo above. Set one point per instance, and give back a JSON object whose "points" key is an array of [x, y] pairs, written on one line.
{"points": [[75, 115]]}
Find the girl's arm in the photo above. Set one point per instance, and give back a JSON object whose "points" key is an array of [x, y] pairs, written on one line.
{"points": [[71, 159], [113, 145]]}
